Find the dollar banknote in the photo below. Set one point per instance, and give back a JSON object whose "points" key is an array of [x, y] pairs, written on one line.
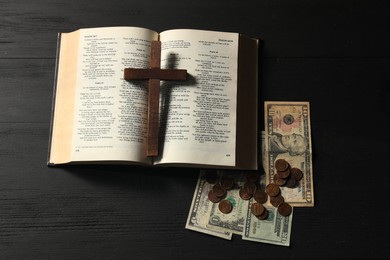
{"points": [[288, 136], [263, 152], [205, 217], [275, 229], [235, 220], [198, 216]]}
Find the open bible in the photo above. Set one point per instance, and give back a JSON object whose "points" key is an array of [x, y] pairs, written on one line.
{"points": [[210, 120]]}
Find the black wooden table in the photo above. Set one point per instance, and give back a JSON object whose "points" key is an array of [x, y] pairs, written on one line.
{"points": [[334, 54]]}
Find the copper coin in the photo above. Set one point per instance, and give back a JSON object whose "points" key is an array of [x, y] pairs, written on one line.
{"points": [[257, 209], [260, 196], [285, 209], [272, 189], [250, 187], [264, 215], [296, 173], [227, 183], [244, 195], [218, 190], [213, 198], [284, 174], [291, 183], [252, 176], [277, 200], [279, 181], [281, 165], [225, 206], [210, 176]]}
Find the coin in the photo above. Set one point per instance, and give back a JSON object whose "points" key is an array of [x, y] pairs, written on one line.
{"points": [[250, 187], [260, 196], [279, 181], [225, 206], [244, 195], [284, 174], [285, 209], [264, 215], [227, 183], [257, 209], [296, 173], [291, 183], [281, 165], [252, 176], [213, 198], [218, 190], [277, 200], [272, 189]]}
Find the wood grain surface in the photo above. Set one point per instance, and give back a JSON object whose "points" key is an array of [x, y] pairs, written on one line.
{"points": [[334, 54]]}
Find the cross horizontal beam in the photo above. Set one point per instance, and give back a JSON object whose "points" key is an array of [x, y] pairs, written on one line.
{"points": [[155, 73]]}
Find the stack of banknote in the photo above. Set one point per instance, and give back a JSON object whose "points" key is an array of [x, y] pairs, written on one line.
{"points": [[287, 136]]}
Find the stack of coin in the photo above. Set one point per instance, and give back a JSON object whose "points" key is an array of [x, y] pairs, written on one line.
{"points": [[285, 209], [219, 190], [251, 189], [285, 175], [250, 186], [257, 207], [259, 211], [217, 193], [277, 200]]}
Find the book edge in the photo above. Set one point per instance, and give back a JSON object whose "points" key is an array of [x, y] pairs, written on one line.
{"points": [[54, 99], [247, 143]]}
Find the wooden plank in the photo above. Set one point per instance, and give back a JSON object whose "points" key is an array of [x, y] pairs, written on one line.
{"points": [[154, 101], [26, 89], [289, 28], [153, 117]]}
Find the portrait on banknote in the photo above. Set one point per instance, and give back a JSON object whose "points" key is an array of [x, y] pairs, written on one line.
{"points": [[294, 144]]}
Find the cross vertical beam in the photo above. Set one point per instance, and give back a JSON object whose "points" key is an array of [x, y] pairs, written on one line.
{"points": [[153, 101]]}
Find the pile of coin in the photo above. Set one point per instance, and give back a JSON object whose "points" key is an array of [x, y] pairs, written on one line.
{"points": [[251, 189], [259, 211], [219, 190], [285, 175], [277, 200], [250, 186]]}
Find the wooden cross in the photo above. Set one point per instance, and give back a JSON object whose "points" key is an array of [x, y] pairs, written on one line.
{"points": [[154, 74]]}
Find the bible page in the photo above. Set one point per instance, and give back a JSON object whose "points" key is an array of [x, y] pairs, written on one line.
{"points": [[198, 117], [110, 115]]}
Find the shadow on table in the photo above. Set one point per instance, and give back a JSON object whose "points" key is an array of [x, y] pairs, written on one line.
{"points": [[128, 177]]}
